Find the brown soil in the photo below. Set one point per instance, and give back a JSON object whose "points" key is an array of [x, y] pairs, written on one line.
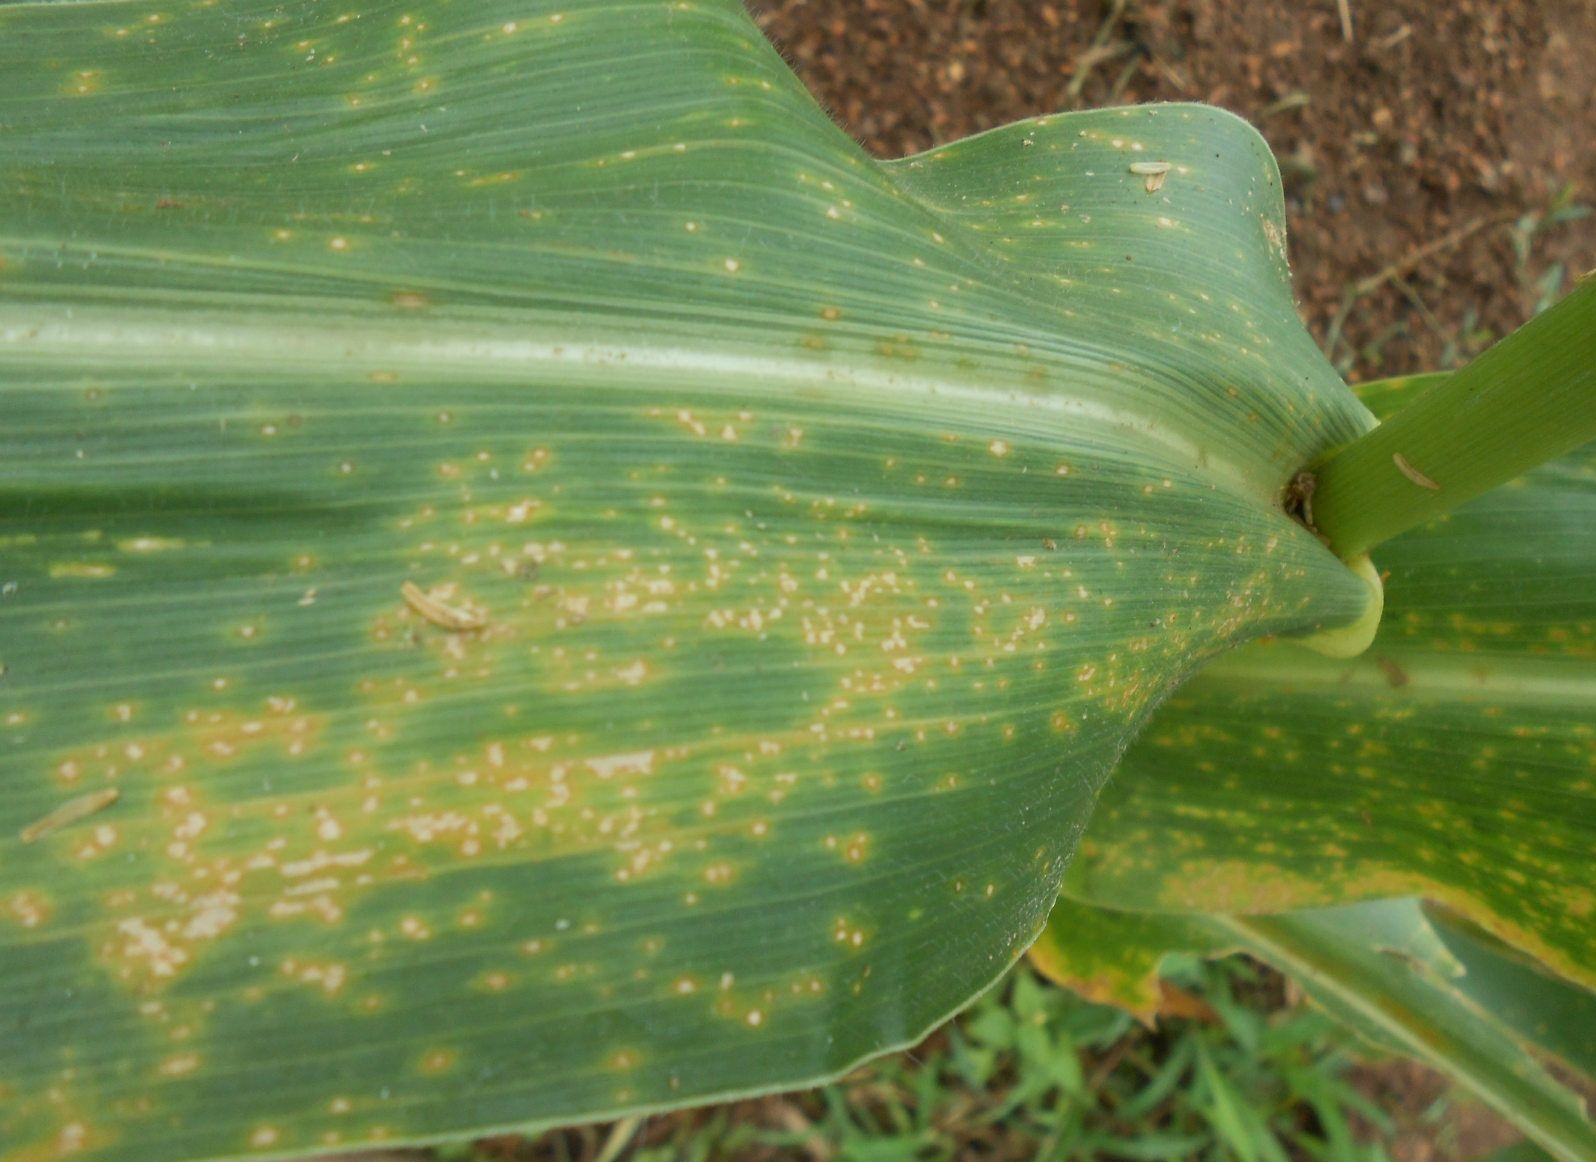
{"points": [[1416, 152], [1425, 1125]]}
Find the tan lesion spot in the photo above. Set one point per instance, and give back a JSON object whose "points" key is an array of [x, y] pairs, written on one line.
{"points": [[73, 1138], [440, 1060], [82, 570], [328, 976], [29, 908], [181, 1064], [1273, 235], [85, 82]]}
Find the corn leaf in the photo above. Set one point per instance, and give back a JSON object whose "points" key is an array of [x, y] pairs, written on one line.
{"points": [[1455, 760], [539, 581], [1556, 1018], [1383, 968]]}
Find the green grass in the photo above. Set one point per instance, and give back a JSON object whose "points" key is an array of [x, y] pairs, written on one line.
{"points": [[1032, 1072]]}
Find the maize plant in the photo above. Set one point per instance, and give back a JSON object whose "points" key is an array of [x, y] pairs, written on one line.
{"points": [[541, 582]]}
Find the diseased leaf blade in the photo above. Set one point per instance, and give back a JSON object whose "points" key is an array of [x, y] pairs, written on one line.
{"points": [[1455, 760], [1555, 1018], [586, 586], [1111, 957]]}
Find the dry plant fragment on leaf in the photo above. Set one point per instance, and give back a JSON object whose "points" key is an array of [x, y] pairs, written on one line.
{"points": [[448, 617], [1413, 473], [1154, 171], [70, 812]]}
